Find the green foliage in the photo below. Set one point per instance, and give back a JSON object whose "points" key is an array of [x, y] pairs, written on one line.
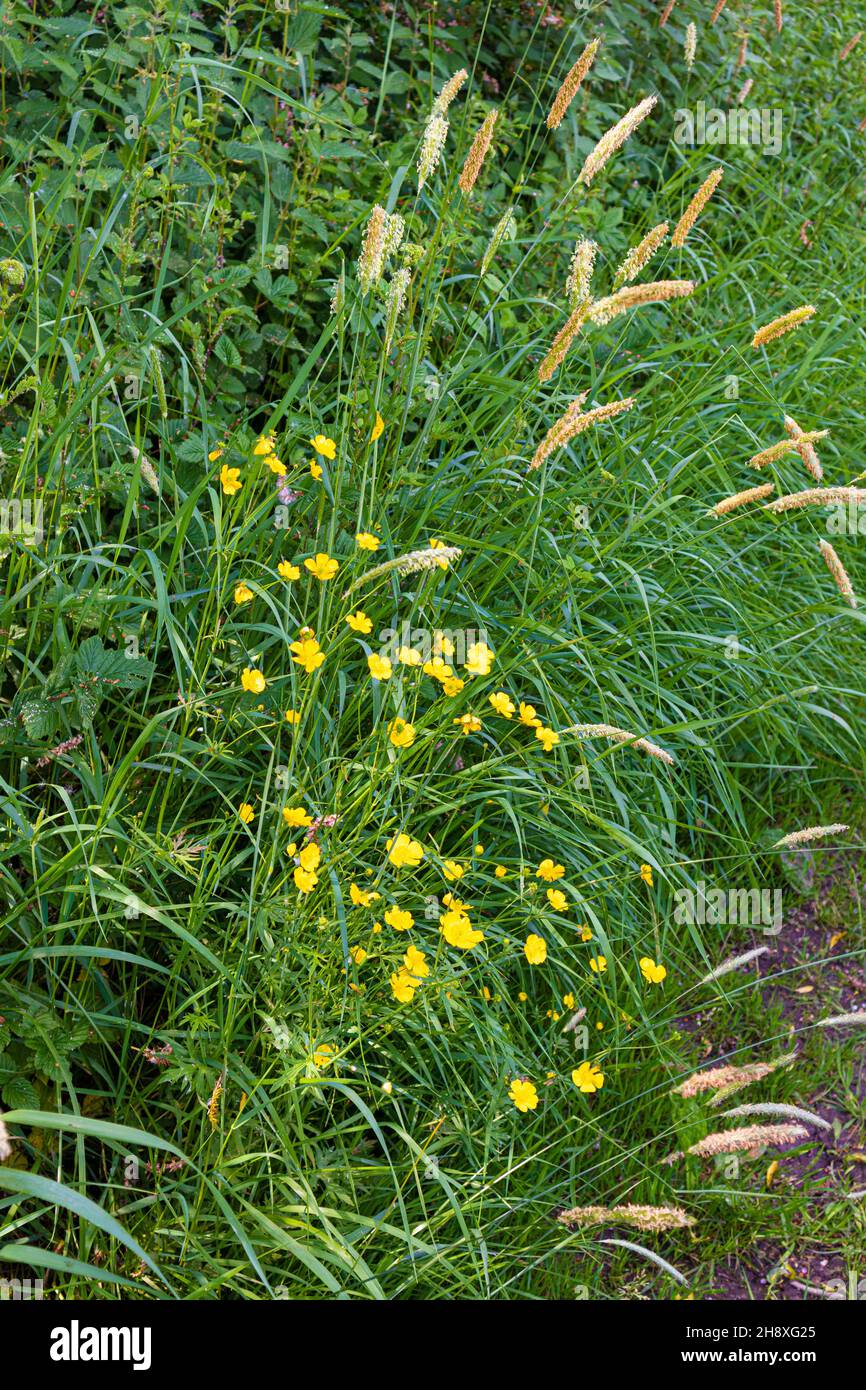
{"points": [[187, 191]]}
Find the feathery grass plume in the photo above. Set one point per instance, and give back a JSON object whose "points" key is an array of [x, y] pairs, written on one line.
{"points": [[395, 230], [804, 449], [742, 51], [574, 422], [691, 45], [784, 446], [640, 255], [839, 573], [812, 832], [577, 286], [788, 1112], [777, 5], [852, 43], [506, 226], [782, 325], [634, 296], [732, 1141], [413, 562], [616, 735], [396, 299], [842, 1020], [743, 93], [148, 472], [478, 149], [432, 145], [570, 87], [562, 342], [448, 92], [5, 1143], [696, 207], [613, 138], [720, 5], [725, 1077], [642, 1218], [739, 499], [158, 380], [733, 963], [371, 259], [818, 497], [213, 1103], [666, 13], [338, 294]]}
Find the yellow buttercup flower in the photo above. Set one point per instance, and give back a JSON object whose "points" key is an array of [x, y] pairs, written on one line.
{"points": [[286, 570], [253, 680], [401, 734], [403, 986], [242, 593], [296, 816], [367, 541], [404, 852], [324, 446], [399, 918], [415, 962], [437, 668], [315, 469], [358, 954], [652, 973], [322, 566], [307, 653], [276, 465], [469, 723], [568, 1001], [362, 897], [359, 622], [646, 874], [523, 1095], [323, 1055], [408, 656], [305, 879], [292, 716], [502, 703], [557, 899], [264, 445], [535, 949], [479, 659], [216, 453], [549, 871], [436, 544], [378, 427], [452, 870], [528, 716], [246, 812], [458, 930], [379, 667], [230, 479], [451, 686], [310, 857], [547, 738], [588, 1078], [500, 871], [598, 964]]}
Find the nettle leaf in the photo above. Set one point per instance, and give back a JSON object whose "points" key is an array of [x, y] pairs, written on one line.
{"points": [[20, 1094], [99, 669], [38, 718]]}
